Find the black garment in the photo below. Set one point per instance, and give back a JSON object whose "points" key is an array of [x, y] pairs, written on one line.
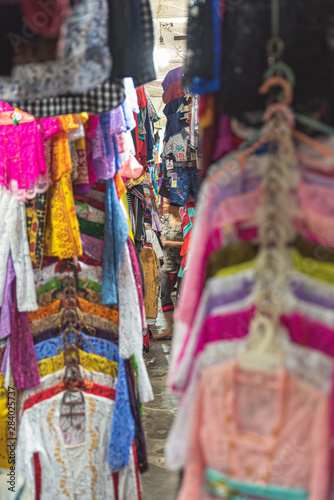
{"points": [[309, 50], [119, 32], [200, 42]]}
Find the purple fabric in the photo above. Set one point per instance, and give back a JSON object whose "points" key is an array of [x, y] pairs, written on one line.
{"points": [[317, 179], [96, 332], [23, 360], [92, 246], [5, 359], [172, 76], [6, 310], [245, 288], [224, 142]]}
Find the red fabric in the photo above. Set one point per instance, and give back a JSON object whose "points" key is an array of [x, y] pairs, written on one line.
{"points": [[90, 261], [45, 17], [38, 476], [137, 474], [142, 99], [174, 91], [116, 482], [90, 388], [90, 201]]}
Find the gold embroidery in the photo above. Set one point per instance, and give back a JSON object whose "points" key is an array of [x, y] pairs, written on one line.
{"points": [[57, 452], [93, 445]]}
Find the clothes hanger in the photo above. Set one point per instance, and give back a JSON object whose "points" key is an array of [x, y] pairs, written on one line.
{"points": [[74, 384]]}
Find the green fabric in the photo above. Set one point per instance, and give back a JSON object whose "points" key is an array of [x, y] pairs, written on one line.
{"points": [[56, 283], [135, 364], [218, 484], [95, 229]]}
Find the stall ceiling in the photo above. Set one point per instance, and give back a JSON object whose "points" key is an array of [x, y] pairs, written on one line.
{"points": [[166, 13]]}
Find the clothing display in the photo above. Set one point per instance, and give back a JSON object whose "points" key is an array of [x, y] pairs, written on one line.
{"points": [[72, 318], [252, 355]]}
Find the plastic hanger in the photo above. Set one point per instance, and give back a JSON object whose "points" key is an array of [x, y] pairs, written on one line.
{"points": [[264, 350]]}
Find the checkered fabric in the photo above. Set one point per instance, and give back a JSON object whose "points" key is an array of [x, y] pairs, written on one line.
{"points": [[102, 99], [146, 72]]}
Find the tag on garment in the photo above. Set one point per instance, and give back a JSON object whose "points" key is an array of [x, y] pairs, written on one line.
{"points": [[169, 164], [174, 180]]}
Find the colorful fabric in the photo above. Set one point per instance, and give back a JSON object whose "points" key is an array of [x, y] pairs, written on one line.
{"points": [[62, 234], [36, 215]]}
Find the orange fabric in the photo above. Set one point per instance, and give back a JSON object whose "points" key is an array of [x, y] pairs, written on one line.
{"points": [[85, 306], [207, 118], [120, 187]]}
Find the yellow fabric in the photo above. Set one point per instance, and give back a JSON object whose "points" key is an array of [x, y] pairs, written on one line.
{"points": [[125, 201], [227, 271], [120, 187], [323, 271], [62, 233], [61, 154], [3, 425], [91, 362]]}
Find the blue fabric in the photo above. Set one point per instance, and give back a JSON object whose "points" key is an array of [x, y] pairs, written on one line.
{"points": [[173, 106], [49, 348], [116, 232], [123, 425], [204, 85], [221, 486], [173, 127], [188, 182], [105, 127], [117, 161]]}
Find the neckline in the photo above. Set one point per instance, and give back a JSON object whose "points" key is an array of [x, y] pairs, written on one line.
{"points": [[279, 380], [58, 416]]}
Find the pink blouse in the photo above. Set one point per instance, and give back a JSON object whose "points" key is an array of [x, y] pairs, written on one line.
{"points": [[259, 428]]}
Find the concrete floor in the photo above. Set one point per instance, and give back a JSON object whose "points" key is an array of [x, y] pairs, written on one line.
{"points": [[159, 483]]}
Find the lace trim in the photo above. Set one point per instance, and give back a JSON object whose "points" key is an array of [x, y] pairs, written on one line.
{"points": [[57, 451]]}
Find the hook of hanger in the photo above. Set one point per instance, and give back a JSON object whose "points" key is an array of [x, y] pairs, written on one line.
{"points": [[278, 81]]}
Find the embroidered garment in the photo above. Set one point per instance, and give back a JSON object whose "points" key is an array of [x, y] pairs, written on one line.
{"points": [[52, 347], [150, 265], [13, 239], [256, 444], [91, 362], [84, 305], [88, 320], [73, 471], [62, 235], [21, 149], [57, 378]]}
